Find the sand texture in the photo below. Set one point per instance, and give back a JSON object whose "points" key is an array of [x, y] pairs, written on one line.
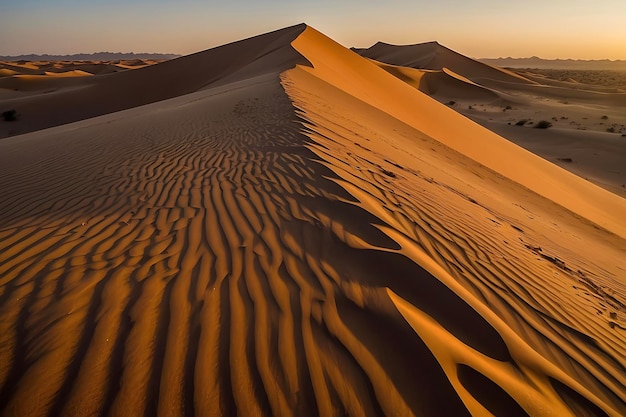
{"points": [[587, 112], [282, 227]]}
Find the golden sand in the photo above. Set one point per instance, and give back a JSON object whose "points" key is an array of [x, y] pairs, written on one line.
{"points": [[280, 226]]}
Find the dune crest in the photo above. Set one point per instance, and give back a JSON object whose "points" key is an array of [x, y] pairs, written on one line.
{"points": [[588, 118], [288, 230], [65, 100], [409, 177], [433, 56]]}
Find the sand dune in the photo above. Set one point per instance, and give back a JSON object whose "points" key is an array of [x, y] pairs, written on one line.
{"points": [[433, 56], [7, 72], [119, 91], [286, 228], [69, 73], [441, 83], [588, 119], [56, 67]]}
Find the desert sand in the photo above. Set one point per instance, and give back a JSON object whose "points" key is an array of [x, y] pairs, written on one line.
{"points": [[588, 114], [280, 226]]}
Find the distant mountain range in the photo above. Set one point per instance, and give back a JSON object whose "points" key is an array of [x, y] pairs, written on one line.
{"points": [[97, 56], [532, 62], [572, 64]]}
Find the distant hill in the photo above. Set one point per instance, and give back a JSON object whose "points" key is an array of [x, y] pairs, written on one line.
{"points": [[577, 64], [97, 56], [434, 56]]}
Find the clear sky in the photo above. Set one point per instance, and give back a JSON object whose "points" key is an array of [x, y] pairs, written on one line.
{"points": [[581, 29]]}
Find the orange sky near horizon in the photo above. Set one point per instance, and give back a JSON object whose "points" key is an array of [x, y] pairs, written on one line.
{"points": [[478, 28]]}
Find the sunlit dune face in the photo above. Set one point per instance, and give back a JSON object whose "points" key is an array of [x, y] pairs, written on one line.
{"points": [[280, 226]]}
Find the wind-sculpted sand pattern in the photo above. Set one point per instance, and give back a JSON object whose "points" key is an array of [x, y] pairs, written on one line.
{"points": [[553, 346], [204, 267], [249, 251]]}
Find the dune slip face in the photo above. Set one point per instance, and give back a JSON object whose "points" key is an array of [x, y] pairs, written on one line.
{"points": [[47, 101], [276, 234], [586, 119], [480, 234]]}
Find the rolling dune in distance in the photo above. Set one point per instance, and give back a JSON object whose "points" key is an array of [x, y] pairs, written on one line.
{"points": [[588, 118], [280, 226]]}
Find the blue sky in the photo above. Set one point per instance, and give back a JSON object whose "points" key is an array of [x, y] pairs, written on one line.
{"points": [[478, 28]]}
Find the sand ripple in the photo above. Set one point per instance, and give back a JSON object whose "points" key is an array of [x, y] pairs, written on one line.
{"points": [[223, 253]]}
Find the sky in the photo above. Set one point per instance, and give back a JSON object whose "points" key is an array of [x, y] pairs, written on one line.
{"points": [[578, 29]]}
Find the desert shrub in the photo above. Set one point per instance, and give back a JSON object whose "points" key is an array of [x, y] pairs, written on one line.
{"points": [[508, 108], [610, 129], [543, 124], [451, 103], [521, 122], [605, 117], [9, 115]]}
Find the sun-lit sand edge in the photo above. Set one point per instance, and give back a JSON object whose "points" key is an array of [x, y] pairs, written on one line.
{"points": [[323, 53], [478, 143], [313, 241], [588, 118]]}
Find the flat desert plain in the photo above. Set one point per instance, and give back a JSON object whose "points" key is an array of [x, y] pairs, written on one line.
{"points": [[282, 226]]}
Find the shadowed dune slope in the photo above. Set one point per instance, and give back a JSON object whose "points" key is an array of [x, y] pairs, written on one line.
{"points": [[11, 68], [433, 56], [64, 101], [366, 81], [384, 162], [443, 84], [588, 121], [448, 84], [299, 243], [8, 69]]}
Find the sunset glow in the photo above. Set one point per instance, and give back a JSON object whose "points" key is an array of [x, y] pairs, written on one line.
{"points": [[478, 28]]}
